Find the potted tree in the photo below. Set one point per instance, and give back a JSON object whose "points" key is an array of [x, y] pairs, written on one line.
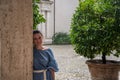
{"points": [[95, 30]]}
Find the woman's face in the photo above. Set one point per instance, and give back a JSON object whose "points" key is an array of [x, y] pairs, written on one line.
{"points": [[37, 39]]}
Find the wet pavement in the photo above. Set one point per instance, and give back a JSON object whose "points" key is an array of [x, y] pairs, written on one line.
{"points": [[71, 65]]}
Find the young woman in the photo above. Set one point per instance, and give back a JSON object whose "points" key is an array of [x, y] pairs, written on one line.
{"points": [[44, 63]]}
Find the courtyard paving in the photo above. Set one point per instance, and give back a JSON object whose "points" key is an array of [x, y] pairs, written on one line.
{"points": [[71, 65]]}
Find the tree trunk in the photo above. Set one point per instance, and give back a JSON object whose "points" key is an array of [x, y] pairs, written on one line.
{"points": [[104, 58], [16, 40]]}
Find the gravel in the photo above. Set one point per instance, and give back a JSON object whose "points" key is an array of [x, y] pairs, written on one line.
{"points": [[71, 65]]}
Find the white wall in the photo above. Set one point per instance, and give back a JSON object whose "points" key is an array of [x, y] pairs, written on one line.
{"points": [[64, 10], [58, 16]]}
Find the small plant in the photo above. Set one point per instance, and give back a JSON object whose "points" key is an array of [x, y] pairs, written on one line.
{"points": [[37, 17], [95, 28], [61, 38]]}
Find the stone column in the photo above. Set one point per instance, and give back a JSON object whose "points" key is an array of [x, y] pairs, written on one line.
{"points": [[16, 52]]}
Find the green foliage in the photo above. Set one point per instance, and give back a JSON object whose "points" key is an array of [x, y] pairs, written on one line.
{"points": [[37, 17], [95, 28], [61, 38]]}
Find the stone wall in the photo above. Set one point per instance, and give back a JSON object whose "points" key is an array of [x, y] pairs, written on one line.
{"points": [[16, 39]]}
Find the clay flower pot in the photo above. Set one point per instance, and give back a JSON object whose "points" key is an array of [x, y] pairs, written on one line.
{"points": [[108, 71]]}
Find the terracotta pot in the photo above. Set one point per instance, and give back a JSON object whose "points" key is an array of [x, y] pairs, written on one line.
{"points": [[108, 71]]}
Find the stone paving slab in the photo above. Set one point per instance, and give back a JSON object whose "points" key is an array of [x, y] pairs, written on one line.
{"points": [[71, 65]]}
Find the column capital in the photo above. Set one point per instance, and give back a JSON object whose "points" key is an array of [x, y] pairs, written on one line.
{"points": [[46, 5]]}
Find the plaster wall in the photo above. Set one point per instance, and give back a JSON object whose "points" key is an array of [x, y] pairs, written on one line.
{"points": [[64, 10]]}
